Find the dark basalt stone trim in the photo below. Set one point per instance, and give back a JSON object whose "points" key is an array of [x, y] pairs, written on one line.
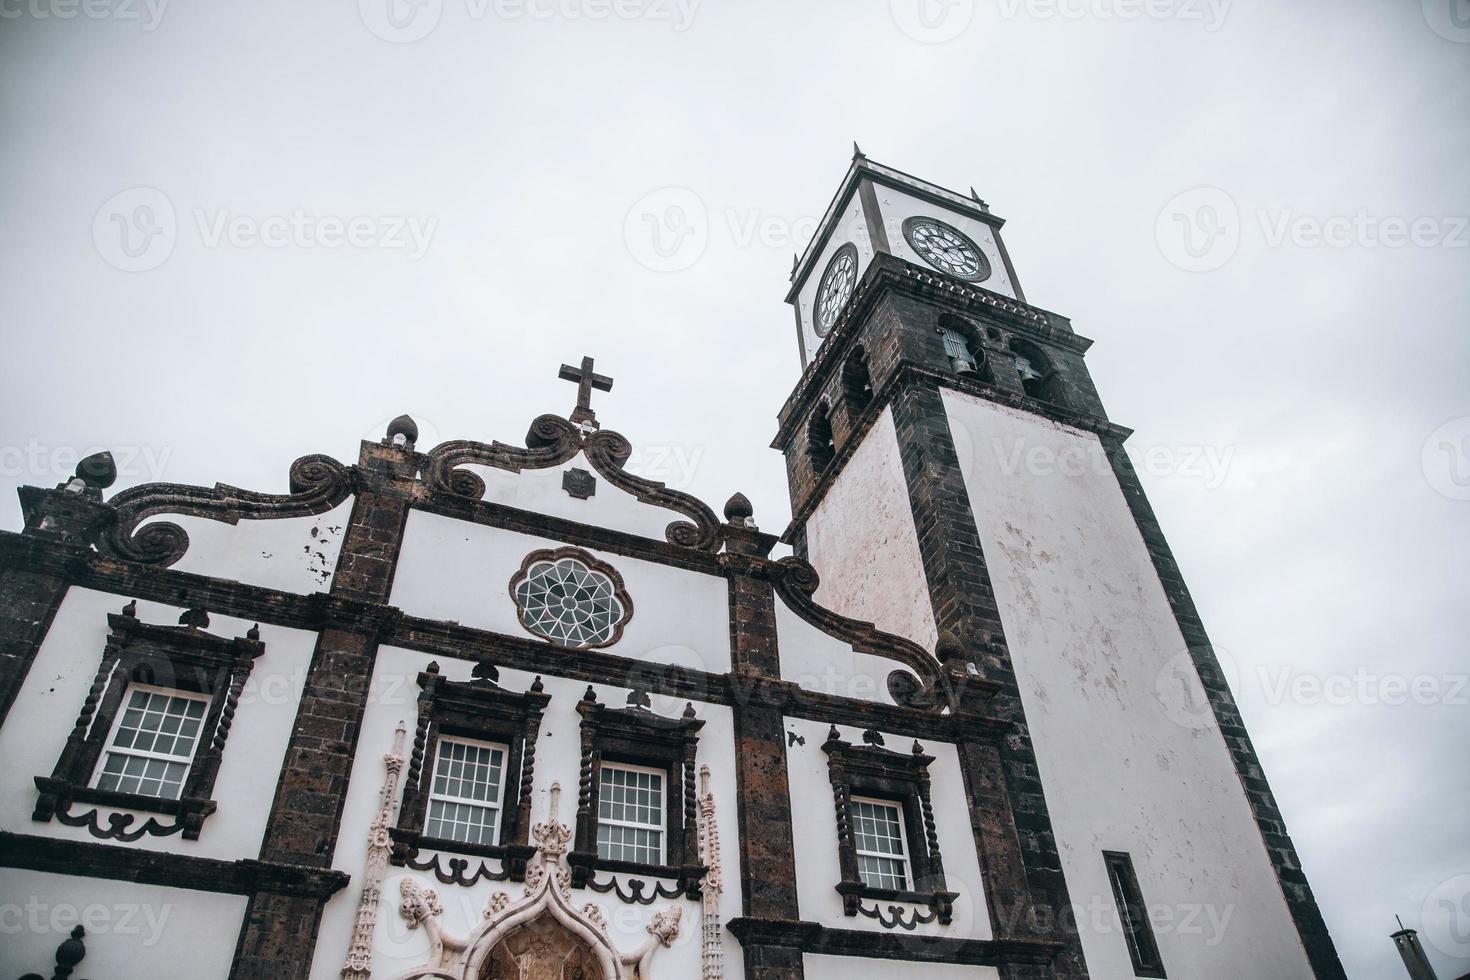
{"points": [[890, 274], [244, 877], [909, 374], [615, 542], [809, 937], [387, 625], [1310, 925], [29, 598], [965, 607]]}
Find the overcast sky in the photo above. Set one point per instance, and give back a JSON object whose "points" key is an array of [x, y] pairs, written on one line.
{"points": [[177, 184]]}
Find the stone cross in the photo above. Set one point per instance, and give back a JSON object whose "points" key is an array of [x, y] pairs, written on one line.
{"points": [[585, 380]]}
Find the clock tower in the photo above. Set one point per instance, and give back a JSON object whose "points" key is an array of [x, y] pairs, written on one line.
{"points": [[955, 480]]}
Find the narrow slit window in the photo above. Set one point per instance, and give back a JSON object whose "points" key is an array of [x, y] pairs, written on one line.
{"points": [[877, 830], [630, 814], [1133, 915], [153, 742], [464, 800]]}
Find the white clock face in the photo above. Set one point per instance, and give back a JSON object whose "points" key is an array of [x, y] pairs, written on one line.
{"points": [[836, 288], [946, 248]]}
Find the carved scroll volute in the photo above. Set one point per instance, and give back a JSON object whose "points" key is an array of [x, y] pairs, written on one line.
{"points": [[318, 483]]}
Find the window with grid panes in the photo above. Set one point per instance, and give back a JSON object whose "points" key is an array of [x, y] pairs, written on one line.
{"points": [[877, 830], [630, 814], [153, 743], [464, 798]]}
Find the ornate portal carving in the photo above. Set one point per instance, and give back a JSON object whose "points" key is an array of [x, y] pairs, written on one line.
{"points": [[542, 935]]}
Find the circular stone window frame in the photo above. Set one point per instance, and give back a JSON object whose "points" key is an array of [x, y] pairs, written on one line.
{"points": [[911, 222], [554, 555], [847, 249]]}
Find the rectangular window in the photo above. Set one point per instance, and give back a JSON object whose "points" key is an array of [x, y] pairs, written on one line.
{"points": [[1134, 916], [630, 814], [464, 800], [153, 743], [877, 830]]}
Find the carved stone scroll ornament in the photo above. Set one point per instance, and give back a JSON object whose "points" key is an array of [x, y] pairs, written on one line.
{"points": [[359, 962], [546, 906], [553, 441], [318, 483], [797, 584]]}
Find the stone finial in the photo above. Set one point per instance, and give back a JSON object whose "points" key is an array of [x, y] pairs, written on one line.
{"points": [[195, 618], [403, 432], [485, 671], [253, 633], [131, 609], [589, 695], [833, 735], [951, 652], [638, 698], [872, 736], [857, 151], [93, 474], [689, 709], [537, 685], [71, 952], [738, 510]]}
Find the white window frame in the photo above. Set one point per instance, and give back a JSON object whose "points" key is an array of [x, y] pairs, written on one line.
{"points": [[902, 857], [663, 809], [497, 806], [110, 747]]}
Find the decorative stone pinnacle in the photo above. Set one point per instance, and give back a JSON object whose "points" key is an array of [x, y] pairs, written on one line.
{"points": [[738, 510], [195, 618], [406, 428]]}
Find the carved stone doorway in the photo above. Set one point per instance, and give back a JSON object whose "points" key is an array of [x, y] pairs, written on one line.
{"points": [[541, 950]]}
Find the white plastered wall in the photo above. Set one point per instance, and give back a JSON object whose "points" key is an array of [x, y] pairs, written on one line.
{"points": [[459, 571], [862, 542], [558, 759], [540, 490], [132, 930], [1092, 638], [897, 206], [814, 827], [293, 554], [45, 711]]}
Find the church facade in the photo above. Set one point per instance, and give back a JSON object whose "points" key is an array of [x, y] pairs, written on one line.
{"points": [[480, 711]]}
